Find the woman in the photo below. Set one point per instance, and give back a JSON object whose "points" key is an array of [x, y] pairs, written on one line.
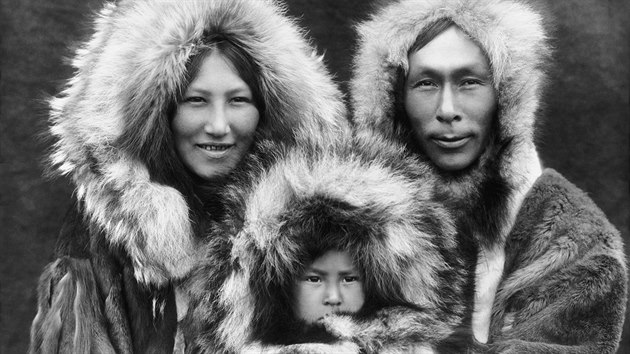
{"points": [[169, 101], [459, 82]]}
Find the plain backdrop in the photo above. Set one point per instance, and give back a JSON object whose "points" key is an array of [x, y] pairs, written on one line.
{"points": [[584, 130]]}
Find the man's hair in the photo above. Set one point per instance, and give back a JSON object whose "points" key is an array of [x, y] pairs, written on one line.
{"points": [[430, 32], [401, 120]]}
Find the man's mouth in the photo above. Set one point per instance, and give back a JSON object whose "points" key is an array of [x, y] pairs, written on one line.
{"points": [[449, 141]]}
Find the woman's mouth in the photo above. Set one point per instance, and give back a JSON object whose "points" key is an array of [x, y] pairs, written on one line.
{"points": [[451, 141], [215, 150]]}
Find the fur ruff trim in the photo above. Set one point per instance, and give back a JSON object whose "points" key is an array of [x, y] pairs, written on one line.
{"points": [[382, 202], [512, 36], [112, 127]]}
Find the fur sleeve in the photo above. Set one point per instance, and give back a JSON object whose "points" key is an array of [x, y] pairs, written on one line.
{"points": [[578, 309], [69, 316], [565, 288], [395, 329]]}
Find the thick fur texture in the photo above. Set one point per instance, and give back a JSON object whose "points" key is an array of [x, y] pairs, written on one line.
{"points": [[564, 288], [138, 224], [372, 200], [112, 126], [513, 38], [546, 264]]}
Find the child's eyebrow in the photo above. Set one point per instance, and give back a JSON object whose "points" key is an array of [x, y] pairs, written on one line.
{"points": [[350, 271], [316, 270]]}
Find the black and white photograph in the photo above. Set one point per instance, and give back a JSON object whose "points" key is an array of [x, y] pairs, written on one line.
{"points": [[331, 176]]}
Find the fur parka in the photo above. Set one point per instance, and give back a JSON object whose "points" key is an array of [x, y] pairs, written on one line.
{"points": [[369, 198], [550, 272], [137, 224]]}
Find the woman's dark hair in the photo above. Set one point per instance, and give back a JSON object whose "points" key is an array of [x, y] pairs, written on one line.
{"points": [[201, 194], [240, 61]]}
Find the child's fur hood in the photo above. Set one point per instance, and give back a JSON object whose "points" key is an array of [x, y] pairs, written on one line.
{"points": [[111, 123], [369, 199], [512, 36]]}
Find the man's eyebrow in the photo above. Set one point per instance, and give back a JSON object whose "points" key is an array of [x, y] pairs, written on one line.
{"points": [[469, 68]]}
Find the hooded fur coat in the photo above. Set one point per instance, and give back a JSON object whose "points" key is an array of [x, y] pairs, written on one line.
{"points": [[551, 273], [367, 197], [135, 229]]}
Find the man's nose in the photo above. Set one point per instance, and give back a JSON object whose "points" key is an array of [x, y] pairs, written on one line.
{"points": [[333, 295], [447, 108], [216, 122]]}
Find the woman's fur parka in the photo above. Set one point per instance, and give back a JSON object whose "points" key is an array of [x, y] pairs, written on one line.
{"points": [[548, 260], [112, 137]]}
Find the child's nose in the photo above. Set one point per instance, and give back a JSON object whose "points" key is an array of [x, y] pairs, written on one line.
{"points": [[333, 295]]}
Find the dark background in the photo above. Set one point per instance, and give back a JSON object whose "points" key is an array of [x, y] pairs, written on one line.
{"points": [[584, 134]]}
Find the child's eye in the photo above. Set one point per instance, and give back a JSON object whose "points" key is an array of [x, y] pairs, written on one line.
{"points": [[350, 279], [312, 279]]}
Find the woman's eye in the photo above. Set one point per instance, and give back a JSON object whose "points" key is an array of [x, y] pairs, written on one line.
{"points": [[312, 279], [350, 279]]}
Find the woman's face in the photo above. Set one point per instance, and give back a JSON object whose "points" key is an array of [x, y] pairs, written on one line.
{"points": [[216, 120], [449, 99]]}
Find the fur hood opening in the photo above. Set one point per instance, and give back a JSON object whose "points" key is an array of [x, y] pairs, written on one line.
{"points": [[111, 123], [370, 199], [513, 37]]}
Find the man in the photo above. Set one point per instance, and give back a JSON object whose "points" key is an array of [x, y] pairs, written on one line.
{"points": [[459, 83]]}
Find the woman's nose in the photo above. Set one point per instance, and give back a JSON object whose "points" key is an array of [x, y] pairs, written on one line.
{"points": [[333, 295], [447, 110], [217, 123]]}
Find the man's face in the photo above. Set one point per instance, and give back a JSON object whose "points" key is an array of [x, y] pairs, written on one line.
{"points": [[331, 284], [449, 99]]}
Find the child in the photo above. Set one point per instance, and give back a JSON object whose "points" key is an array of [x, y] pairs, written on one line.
{"points": [[335, 251], [331, 284]]}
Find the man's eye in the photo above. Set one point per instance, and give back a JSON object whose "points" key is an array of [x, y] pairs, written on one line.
{"points": [[194, 99], [312, 279], [425, 83], [469, 82]]}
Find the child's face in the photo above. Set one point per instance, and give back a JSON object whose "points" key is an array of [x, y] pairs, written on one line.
{"points": [[330, 284]]}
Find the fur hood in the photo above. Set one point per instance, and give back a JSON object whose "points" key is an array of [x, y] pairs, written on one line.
{"points": [[111, 123], [367, 198], [512, 36]]}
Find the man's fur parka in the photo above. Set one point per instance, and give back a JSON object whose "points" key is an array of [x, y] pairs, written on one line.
{"points": [[551, 275], [369, 198], [139, 215]]}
